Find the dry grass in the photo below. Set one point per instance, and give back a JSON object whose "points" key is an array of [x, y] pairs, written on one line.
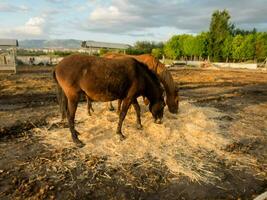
{"points": [[26, 82], [190, 144]]}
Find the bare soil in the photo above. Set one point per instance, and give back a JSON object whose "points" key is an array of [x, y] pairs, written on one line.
{"points": [[215, 148]]}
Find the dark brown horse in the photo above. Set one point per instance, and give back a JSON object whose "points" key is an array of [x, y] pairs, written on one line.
{"points": [[103, 79], [172, 92]]}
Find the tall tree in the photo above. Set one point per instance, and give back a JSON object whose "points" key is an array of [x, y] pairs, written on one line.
{"points": [[188, 46], [219, 30], [200, 45], [248, 47], [172, 48], [261, 46], [157, 52], [147, 46], [227, 48], [237, 47]]}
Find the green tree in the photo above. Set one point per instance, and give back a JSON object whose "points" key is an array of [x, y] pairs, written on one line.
{"points": [[261, 46], [227, 48], [172, 48], [248, 47], [133, 51], [237, 47], [103, 51], [201, 45], [147, 46], [220, 28], [188, 45], [157, 52]]}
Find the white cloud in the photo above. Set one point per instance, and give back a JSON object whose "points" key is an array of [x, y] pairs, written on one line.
{"points": [[13, 8], [128, 16], [108, 13], [35, 27]]}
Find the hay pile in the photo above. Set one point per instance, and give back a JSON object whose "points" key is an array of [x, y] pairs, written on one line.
{"points": [[190, 144]]}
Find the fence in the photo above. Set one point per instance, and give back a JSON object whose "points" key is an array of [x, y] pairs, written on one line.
{"points": [[7, 60], [229, 65], [38, 60]]}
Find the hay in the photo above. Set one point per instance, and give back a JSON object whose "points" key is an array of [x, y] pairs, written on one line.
{"points": [[190, 144]]}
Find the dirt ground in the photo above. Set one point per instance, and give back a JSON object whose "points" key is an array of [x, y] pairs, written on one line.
{"points": [[214, 148]]}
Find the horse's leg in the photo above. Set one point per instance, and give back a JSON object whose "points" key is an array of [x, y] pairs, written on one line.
{"points": [[110, 106], [137, 110], [125, 106], [72, 107], [89, 105], [119, 106]]}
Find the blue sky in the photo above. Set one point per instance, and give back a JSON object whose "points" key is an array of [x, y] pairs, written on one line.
{"points": [[124, 21]]}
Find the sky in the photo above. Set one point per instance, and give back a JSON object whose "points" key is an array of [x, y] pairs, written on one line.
{"points": [[123, 21]]}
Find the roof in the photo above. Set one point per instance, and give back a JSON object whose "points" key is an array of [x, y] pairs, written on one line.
{"points": [[91, 43], [9, 42]]}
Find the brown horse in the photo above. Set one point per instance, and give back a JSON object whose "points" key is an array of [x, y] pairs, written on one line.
{"points": [[103, 79], [172, 92]]}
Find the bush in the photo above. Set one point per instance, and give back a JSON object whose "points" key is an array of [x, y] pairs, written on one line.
{"points": [[157, 52], [103, 51]]}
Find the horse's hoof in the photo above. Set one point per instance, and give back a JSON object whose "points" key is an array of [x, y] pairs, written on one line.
{"points": [[111, 109], [139, 126], [121, 136], [79, 143]]}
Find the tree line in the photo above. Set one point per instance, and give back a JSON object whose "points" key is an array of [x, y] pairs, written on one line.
{"points": [[223, 42]]}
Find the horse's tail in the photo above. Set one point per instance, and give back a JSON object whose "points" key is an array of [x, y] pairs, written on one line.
{"points": [[62, 99]]}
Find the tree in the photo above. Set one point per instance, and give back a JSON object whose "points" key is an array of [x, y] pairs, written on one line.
{"points": [[172, 48], [227, 48], [237, 31], [261, 46], [201, 45], [188, 45], [133, 51], [219, 30], [157, 52], [237, 49], [248, 47], [103, 51], [147, 46]]}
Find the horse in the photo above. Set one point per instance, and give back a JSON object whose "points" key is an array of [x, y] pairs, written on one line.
{"points": [[103, 79], [172, 92]]}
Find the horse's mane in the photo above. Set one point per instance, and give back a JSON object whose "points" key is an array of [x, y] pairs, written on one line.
{"points": [[151, 61], [163, 73], [168, 81], [150, 73]]}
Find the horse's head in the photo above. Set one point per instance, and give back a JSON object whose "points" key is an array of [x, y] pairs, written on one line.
{"points": [[173, 102], [157, 109]]}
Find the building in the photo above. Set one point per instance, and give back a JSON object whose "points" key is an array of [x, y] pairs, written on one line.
{"points": [[8, 54], [94, 47]]}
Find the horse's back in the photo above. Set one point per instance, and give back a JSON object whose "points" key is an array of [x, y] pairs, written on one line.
{"points": [[96, 76]]}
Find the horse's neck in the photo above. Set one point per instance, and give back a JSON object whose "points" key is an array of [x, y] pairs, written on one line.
{"points": [[167, 81], [160, 68], [152, 90]]}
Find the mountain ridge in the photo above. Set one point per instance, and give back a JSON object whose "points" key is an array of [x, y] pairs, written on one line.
{"points": [[55, 43]]}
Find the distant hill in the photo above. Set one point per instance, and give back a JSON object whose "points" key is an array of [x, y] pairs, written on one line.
{"points": [[68, 43]]}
